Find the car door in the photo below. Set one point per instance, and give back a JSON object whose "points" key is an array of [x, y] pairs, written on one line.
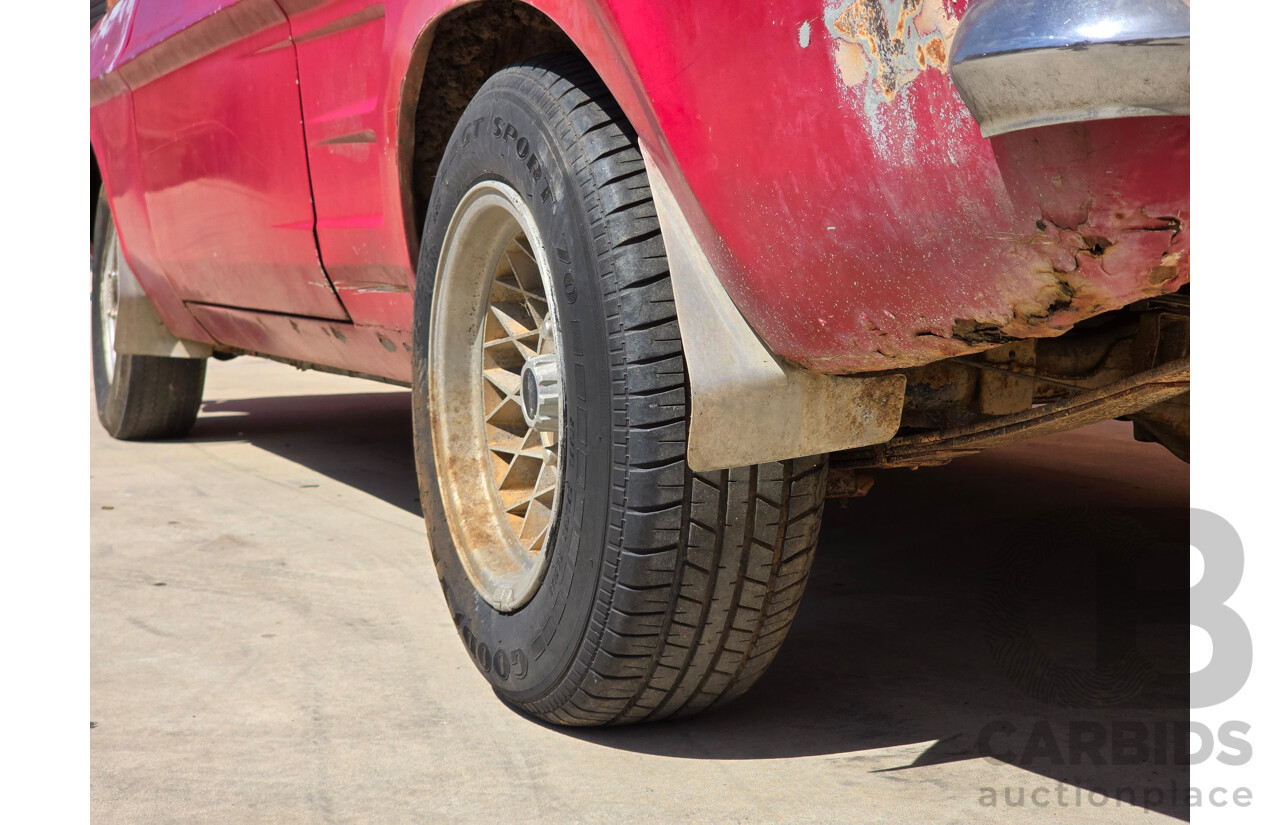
{"points": [[222, 156], [350, 129]]}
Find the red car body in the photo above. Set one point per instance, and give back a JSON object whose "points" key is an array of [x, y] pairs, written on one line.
{"points": [[257, 156], [689, 270]]}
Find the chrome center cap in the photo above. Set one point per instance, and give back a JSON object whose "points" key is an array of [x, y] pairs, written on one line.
{"points": [[540, 393]]}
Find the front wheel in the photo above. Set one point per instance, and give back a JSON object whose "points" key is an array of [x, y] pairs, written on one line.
{"points": [[139, 396], [594, 578]]}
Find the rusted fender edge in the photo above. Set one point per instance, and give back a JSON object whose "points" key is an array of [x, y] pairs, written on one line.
{"points": [[747, 405], [1020, 64]]}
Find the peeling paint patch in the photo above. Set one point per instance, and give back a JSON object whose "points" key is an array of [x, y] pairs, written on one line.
{"points": [[881, 46], [805, 34]]}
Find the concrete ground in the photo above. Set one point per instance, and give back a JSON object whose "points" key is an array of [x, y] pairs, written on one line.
{"points": [[269, 643]]}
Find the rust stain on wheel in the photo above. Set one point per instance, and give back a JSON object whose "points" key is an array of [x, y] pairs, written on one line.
{"points": [[493, 378]]}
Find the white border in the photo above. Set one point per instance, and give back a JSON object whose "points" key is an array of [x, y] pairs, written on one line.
{"points": [[1235, 183], [45, 63]]}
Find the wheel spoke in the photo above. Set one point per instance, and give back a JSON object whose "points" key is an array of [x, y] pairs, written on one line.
{"points": [[505, 380], [507, 292], [518, 327], [505, 440], [537, 518], [525, 267], [507, 514], [546, 481], [506, 354], [524, 349], [508, 416], [514, 319]]}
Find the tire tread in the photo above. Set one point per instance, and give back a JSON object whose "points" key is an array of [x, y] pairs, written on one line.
{"points": [[704, 571]]}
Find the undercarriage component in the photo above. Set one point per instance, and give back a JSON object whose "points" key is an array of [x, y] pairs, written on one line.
{"points": [[1123, 398], [844, 483], [1129, 364], [1166, 424]]}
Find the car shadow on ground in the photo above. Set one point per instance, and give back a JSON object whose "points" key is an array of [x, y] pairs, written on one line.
{"points": [[1025, 605], [363, 440]]}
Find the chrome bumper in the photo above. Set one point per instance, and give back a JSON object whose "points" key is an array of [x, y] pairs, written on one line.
{"points": [[1019, 64]]}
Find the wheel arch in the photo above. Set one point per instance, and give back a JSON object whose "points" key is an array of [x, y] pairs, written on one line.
{"points": [[459, 50], [730, 368], [467, 43]]}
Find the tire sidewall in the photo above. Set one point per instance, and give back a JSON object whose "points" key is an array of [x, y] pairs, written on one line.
{"points": [[505, 136]]}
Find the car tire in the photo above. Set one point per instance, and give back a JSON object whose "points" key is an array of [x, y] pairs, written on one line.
{"points": [[656, 591], [138, 396]]}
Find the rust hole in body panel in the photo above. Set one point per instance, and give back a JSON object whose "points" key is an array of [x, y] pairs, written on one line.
{"points": [[1096, 246]]}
